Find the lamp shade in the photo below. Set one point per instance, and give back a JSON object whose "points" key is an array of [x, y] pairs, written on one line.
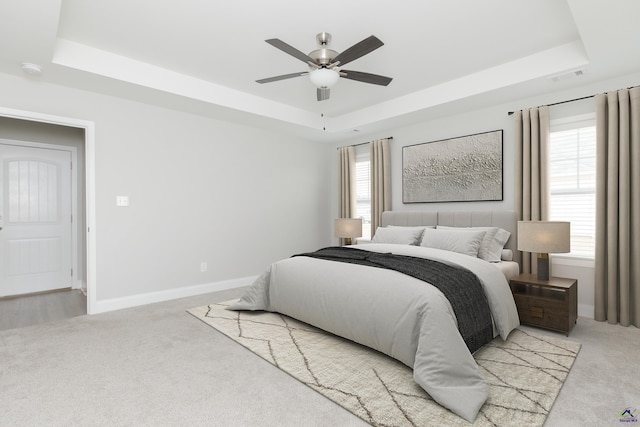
{"points": [[324, 77], [544, 236], [348, 227]]}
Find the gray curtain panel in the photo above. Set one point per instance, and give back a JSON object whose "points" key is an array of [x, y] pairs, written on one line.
{"points": [[617, 276], [532, 171], [347, 182], [380, 181]]}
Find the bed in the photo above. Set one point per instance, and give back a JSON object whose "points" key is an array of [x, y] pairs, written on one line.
{"points": [[427, 302]]}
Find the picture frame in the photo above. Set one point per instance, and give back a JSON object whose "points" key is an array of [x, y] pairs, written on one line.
{"points": [[462, 169]]}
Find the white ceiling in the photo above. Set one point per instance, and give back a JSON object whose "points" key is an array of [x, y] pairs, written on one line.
{"points": [[204, 56]]}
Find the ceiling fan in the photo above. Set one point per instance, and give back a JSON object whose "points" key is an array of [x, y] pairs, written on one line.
{"points": [[324, 64]]}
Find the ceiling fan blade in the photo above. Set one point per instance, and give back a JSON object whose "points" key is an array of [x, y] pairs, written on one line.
{"points": [[286, 48], [358, 50], [282, 77], [365, 77], [323, 93]]}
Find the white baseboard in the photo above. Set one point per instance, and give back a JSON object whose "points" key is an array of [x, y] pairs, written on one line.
{"points": [[585, 310], [102, 306]]}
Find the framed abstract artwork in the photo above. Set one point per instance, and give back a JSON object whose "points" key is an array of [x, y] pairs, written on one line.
{"points": [[463, 169]]}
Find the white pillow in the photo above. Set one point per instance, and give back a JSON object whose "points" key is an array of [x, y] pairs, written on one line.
{"points": [[507, 255], [464, 242], [492, 243], [398, 235], [416, 227]]}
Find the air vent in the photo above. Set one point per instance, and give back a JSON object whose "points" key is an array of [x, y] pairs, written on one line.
{"points": [[31, 69], [567, 75]]}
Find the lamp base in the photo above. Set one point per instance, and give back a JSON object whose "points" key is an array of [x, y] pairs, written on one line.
{"points": [[543, 266]]}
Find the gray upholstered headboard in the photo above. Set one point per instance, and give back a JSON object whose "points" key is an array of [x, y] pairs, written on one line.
{"points": [[502, 219]]}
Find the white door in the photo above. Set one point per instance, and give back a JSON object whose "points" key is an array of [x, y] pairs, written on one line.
{"points": [[35, 219]]}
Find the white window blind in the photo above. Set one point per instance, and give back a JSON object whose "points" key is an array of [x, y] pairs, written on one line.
{"points": [[363, 191], [573, 181]]}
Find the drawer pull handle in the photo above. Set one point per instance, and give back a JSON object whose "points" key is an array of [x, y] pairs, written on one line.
{"points": [[537, 312]]}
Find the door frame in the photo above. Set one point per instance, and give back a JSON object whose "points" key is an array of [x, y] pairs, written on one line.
{"points": [[90, 188]]}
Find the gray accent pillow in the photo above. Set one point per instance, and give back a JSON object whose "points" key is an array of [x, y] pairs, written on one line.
{"points": [[492, 243], [398, 235], [463, 242]]}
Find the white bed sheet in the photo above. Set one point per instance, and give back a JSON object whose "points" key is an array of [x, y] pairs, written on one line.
{"points": [[509, 268]]}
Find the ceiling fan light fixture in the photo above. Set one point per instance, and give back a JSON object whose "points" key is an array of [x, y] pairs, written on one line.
{"points": [[324, 77], [325, 65]]}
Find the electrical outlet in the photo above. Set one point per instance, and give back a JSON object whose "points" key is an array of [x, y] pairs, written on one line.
{"points": [[203, 267], [122, 200]]}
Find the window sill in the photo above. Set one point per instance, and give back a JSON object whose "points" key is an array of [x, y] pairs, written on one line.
{"points": [[573, 261]]}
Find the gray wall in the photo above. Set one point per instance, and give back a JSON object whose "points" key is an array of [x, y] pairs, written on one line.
{"points": [[200, 189]]}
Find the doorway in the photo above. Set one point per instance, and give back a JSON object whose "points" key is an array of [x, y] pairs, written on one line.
{"points": [[75, 136]]}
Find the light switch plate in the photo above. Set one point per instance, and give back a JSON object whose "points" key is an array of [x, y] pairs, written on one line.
{"points": [[122, 200]]}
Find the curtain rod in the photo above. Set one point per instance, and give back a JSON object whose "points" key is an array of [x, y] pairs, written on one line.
{"points": [[569, 100], [362, 143]]}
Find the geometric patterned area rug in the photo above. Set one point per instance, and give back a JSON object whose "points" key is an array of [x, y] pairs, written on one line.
{"points": [[524, 373]]}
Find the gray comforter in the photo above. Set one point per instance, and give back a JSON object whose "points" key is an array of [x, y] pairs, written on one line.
{"points": [[392, 313]]}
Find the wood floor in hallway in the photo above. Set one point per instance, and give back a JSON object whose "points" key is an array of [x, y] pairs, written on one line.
{"points": [[18, 312]]}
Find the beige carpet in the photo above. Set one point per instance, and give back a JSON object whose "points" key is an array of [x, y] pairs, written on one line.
{"points": [[525, 373]]}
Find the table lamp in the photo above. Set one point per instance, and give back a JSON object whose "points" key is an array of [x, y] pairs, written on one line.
{"points": [[348, 228], [543, 238]]}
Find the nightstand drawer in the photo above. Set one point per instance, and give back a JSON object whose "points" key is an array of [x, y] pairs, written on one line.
{"points": [[542, 313], [534, 304]]}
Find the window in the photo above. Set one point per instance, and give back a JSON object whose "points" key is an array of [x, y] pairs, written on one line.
{"points": [[363, 189], [573, 181]]}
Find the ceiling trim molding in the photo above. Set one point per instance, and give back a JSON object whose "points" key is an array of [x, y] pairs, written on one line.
{"points": [[85, 58], [99, 62], [568, 56]]}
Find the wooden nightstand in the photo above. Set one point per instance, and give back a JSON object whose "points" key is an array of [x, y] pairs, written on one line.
{"points": [[550, 304]]}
